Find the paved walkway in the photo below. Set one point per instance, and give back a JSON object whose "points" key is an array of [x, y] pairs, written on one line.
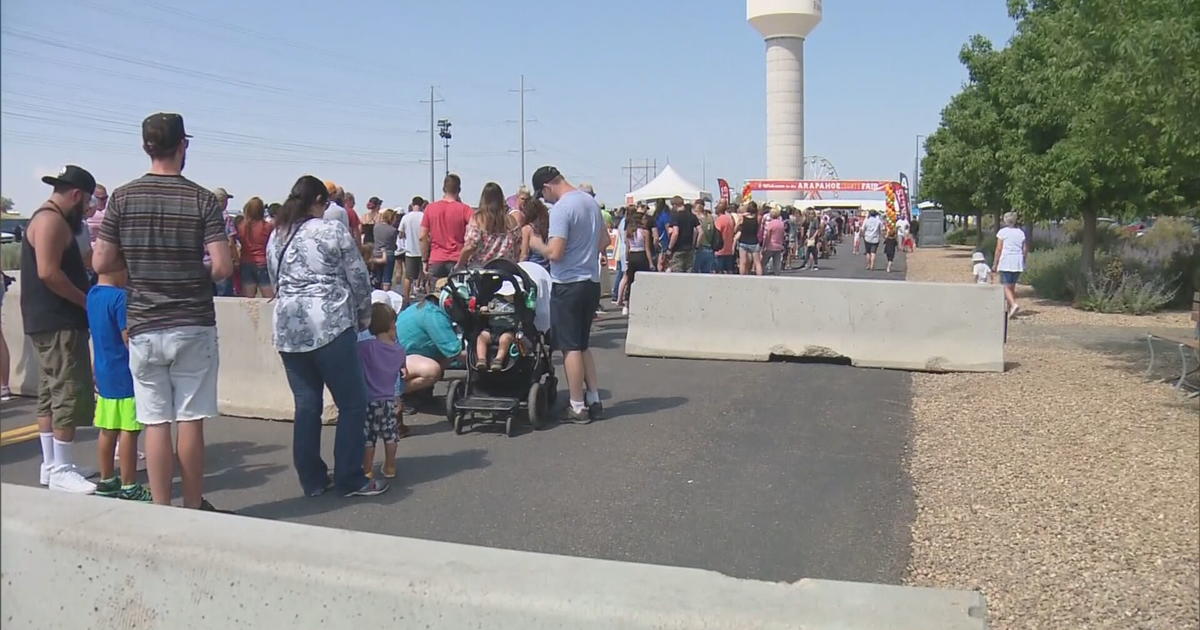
{"points": [[774, 471]]}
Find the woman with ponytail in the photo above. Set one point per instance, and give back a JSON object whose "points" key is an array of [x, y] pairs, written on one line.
{"points": [[323, 298]]}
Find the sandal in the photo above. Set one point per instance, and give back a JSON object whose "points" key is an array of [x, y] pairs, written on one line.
{"points": [[498, 364]]}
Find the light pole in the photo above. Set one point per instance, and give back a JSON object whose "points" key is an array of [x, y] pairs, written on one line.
{"points": [[916, 171], [444, 132]]}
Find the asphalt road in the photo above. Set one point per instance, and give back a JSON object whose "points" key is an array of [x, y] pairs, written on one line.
{"points": [[774, 471]]}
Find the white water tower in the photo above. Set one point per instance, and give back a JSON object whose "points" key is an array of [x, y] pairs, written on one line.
{"points": [[784, 24]]}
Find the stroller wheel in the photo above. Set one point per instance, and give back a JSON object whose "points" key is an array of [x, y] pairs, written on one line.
{"points": [[549, 389], [460, 424], [537, 406], [453, 393], [508, 426]]}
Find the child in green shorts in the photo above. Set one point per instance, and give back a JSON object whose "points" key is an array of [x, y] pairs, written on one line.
{"points": [[116, 416]]}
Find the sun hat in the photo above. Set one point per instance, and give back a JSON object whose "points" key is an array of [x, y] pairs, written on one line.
{"points": [[978, 257]]}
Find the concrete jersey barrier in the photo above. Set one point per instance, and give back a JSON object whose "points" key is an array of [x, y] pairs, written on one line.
{"points": [[184, 569], [874, 323], [251, 382]]}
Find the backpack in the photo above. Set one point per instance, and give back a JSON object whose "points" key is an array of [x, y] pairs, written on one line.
{"points": [[717, 240]]}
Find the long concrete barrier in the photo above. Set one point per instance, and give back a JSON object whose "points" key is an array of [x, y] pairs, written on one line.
{"points": [[873, 323], [180, 569], [251, 382]]}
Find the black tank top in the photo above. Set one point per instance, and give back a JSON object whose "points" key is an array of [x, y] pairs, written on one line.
{"points": [[749, 231], [43, 310]]}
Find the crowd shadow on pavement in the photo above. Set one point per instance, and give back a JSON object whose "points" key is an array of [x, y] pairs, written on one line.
{"points": [[411, 471], [642, 406], [234, 473]]}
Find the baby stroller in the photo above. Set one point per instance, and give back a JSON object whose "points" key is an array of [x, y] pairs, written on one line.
{"points": [[500, 297]]}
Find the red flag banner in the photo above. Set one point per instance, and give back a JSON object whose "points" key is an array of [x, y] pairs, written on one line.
{"points": [[723, 186]]}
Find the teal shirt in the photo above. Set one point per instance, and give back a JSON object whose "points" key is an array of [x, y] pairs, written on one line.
{"points": [[424, 329]]}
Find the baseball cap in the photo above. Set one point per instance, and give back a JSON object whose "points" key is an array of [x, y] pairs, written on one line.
{"points": [[162, 132], [375, 201], [977, 257], [73, 176], [222, 194], [543, 176]]}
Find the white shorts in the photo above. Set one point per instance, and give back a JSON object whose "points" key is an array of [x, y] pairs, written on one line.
{"points": [[175, 374]]}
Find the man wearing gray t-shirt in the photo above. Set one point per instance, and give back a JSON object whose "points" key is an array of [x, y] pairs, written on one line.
{"points": [[577, 236]]}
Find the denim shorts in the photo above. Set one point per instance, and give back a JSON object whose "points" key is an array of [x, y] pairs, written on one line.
{"points": [[1009, 277], [255, 274], [751, 248], [175, 374]]}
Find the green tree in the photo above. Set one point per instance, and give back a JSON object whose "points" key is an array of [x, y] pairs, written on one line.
{"points": [[6, 204]]}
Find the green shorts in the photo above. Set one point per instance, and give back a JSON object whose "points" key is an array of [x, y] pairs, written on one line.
{"points": [[116, 414], [65, 389]]}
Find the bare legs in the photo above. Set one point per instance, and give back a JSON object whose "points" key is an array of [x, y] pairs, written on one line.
{"points": [[160, 461], [111, 441], [423, 373], [581, 373]]}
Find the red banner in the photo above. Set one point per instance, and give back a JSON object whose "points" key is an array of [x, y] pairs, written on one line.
{"points": [[818, 185], [723, 186]]}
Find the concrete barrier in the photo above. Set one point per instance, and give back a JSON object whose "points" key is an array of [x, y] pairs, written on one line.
{"points": [[874, 323], [251, 382], [180, 569]]}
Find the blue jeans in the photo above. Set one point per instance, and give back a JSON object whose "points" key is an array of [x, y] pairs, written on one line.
{"points": [[616, 291], [706, 261], [224, 288], [337, 366]]}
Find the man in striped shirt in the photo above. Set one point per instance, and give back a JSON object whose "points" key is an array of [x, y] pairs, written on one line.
{"points": [[159, 227]]}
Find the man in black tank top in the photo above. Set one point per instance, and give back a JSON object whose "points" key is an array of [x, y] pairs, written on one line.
{"points": [[53, 298]]}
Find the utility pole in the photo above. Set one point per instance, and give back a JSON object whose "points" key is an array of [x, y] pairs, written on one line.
{"points": [[432, 157], [641, 175], [521, 122], [444, 132], [916, 172]]}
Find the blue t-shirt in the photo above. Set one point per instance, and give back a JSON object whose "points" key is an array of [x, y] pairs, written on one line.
{"points": [[576, 217], [664, 237], [106, 319], [424, 329]]}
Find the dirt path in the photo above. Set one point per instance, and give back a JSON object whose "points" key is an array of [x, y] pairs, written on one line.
{"points": [[1067, 489]]}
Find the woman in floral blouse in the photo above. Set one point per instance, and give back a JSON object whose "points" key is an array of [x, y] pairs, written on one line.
{"points": [[323, 298], [492, 233]]}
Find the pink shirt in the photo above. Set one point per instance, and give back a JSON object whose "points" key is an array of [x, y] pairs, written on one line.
{"points": [[447, 223], [774, 235]]}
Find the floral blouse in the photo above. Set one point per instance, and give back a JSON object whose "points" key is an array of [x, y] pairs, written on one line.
{"points": [[489, 247], [322, 286]]}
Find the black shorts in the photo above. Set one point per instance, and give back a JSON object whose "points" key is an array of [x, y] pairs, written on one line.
{"points": [[889, 248], [572, 308], [871, 247], [635, 262], [412, 267], [441, 269]]}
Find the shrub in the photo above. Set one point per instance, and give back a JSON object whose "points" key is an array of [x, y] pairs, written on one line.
{"points": [[1054, 273], [1169, 249], [964, 236], [1108, 235], [10, 256], [1126, 293]]}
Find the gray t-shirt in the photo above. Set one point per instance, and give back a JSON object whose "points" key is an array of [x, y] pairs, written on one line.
{"points": [[576, 217], [385, 237]]}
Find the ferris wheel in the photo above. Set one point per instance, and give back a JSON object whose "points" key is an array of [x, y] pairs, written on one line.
{"points": [[817, 167]]}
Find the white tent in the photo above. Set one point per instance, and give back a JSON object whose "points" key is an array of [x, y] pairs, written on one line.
{"points": [[669, 183]]}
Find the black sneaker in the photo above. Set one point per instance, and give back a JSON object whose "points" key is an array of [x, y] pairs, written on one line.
{"points": [[595, 411], [577, 417], [205, 506], [323, 489], [373, 487]]}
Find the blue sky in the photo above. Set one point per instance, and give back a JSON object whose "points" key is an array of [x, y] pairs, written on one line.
{"points": [[275, 90]]}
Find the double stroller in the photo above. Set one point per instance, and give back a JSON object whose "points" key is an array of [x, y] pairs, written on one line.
{"points": [[499, 298]]}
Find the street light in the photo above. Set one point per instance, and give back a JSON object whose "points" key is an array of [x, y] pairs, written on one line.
{"points": [[444, 132], [916, 171]]}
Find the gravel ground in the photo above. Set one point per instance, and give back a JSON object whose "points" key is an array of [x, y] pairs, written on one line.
{"points": [[1065, 490]]}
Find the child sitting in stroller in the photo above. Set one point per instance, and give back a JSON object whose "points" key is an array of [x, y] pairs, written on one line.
{"points": [[502, 324]]}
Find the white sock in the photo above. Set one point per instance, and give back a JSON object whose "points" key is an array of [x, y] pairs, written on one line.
{"points": [[592, 396], [578, 406], [62, 453], [47, 447]]}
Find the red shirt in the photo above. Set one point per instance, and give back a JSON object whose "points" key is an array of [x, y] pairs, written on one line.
{"points": [[447, 223], [355, 222], [254, 241], [724, 225]]}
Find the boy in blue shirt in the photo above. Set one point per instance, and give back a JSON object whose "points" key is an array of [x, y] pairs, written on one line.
{"points": [[116, 416]]}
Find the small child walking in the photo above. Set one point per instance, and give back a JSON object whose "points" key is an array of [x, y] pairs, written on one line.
{"points": [[383, 367], [982, 272], [116, 416]]}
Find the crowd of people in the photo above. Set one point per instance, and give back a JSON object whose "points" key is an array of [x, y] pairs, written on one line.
{"points": [[354, 299], [136, 274]]}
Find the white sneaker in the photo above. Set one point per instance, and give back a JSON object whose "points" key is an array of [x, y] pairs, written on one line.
{"points": [[84, 471], [625, 310], [65, 479], [44, 473], [5, 393]]}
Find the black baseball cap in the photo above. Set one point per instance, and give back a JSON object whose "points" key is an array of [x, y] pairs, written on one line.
{"points": [[375, 200], [543, 176], [162, 132], [73, 176]]}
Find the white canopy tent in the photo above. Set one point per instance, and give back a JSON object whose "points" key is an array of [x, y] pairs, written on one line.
{"points": [[669, 183]]}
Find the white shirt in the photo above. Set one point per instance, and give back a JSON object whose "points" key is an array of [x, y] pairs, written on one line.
{"points": [[1012, 253], [983, 273], [871, 229], [337, 213], [410, 228], [902, 227], [541, 278]]}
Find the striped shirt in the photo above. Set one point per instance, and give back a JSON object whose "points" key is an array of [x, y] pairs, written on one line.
{"points": [[161, 223]]}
